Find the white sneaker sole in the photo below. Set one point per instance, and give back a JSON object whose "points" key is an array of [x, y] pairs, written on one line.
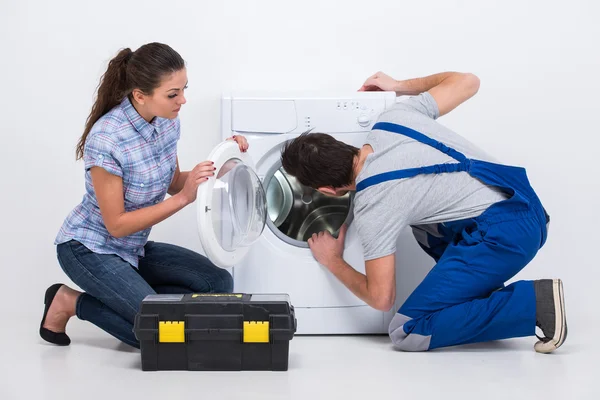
{"points": [[560, 328]]}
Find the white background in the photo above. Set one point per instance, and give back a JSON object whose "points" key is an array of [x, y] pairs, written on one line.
{"points": [[538, 62]]}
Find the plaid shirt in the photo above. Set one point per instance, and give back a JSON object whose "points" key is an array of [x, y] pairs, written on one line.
{"points": [[144, 155]]}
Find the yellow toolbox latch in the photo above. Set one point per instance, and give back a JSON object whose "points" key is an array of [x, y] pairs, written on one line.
{"points": [[256, 331], [171, 331]]}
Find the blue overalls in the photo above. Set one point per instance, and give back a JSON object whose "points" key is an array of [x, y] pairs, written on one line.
{"points": [[463, 298]]}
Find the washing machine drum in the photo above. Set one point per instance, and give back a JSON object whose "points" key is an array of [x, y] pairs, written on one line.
{"points": [[299, 211]]}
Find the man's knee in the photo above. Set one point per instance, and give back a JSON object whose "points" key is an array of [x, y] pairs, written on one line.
{"points": [[406, 341]]}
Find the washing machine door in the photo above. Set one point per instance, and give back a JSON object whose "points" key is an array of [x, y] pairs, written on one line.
{"points": [[231, 206]]}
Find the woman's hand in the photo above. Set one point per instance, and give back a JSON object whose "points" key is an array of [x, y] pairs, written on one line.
{"points": [[195, 177], [241, 141]]}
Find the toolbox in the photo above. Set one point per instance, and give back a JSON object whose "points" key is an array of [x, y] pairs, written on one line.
{"points": [[214, 331]]}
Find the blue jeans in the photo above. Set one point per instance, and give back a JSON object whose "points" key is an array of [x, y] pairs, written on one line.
{"points": [[114, 289]]}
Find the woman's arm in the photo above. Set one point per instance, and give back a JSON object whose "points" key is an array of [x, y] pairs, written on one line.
{"points": [[109, 192], [178, 179]]}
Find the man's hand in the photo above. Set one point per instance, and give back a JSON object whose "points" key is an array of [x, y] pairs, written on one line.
{"points": [[326, 249], [379, 82]]}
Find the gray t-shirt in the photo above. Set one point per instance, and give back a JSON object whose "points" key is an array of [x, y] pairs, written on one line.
{"points": [[383, 210]]}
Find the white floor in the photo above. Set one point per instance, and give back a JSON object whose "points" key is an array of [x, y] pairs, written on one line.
{"points": [[96, 366]]}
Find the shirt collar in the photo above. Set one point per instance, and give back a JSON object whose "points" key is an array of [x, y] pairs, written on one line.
{"points": [[144, 128]]}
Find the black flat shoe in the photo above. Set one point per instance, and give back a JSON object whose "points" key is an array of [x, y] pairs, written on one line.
{"points": [[59, 338]]}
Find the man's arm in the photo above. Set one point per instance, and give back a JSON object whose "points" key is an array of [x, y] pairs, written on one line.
{"points": [[449, 89], [377, 288]]}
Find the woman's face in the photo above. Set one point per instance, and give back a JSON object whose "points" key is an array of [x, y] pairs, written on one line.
{"points": [[167, 99]]}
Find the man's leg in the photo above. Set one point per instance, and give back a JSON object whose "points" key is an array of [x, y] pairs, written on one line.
{"points": [[459, 301], [432, 239]]}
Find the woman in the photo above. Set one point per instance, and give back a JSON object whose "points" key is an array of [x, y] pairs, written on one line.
{"points": [[129, 149]]}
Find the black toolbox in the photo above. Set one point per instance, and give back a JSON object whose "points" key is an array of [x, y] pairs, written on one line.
{"points": [[213, 331]]}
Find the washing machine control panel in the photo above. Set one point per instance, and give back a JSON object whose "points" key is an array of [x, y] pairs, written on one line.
{"points": [[356, 112], [340, 115]]}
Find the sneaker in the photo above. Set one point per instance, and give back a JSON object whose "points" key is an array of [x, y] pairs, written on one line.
{"points": [[550, 314]]}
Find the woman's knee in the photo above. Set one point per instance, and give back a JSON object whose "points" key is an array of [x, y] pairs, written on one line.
{"points": [[224, 283], [221, 280]]}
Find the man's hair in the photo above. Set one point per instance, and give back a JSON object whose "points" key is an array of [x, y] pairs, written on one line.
{"points": [[318, 160]]}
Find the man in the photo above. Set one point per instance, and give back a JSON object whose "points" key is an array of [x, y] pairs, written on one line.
{"points": [[480, 221]]}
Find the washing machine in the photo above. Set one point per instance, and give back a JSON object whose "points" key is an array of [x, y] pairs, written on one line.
{"points": [[255, 219]]}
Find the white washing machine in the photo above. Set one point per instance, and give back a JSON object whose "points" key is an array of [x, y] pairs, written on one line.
{"points": [[255, 219]]}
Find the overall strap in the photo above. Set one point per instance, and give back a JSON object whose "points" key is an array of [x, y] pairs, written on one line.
{"points": [[419, 137], [462, 165]]}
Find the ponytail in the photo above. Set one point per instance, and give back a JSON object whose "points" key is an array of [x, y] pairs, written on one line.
{"points": [[111, 91]]}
